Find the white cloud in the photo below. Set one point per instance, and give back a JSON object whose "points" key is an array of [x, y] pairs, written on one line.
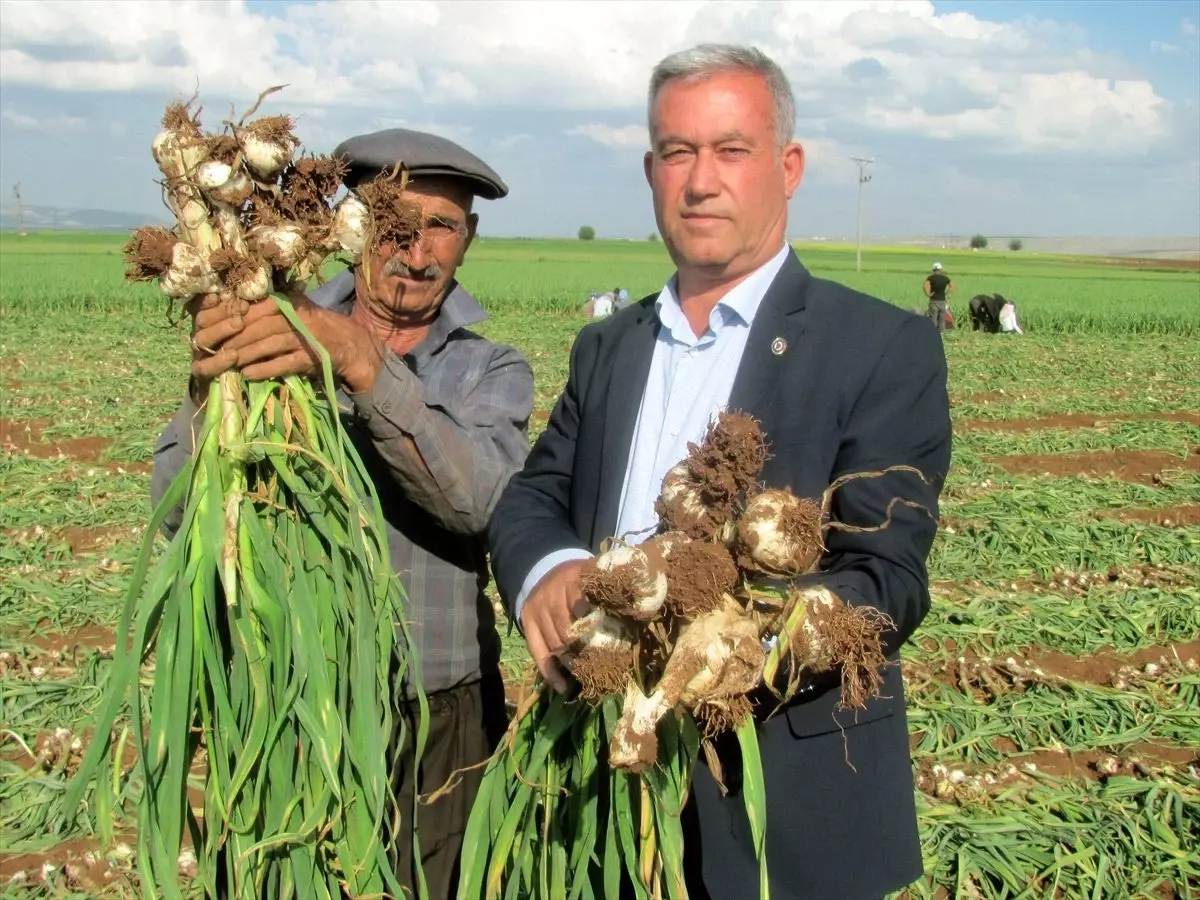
{"points": [[1048, 112], [47, 125], [1162, 47], [1188, 28], [858, 62], [826, 159], [626, 136], [510, 140]]}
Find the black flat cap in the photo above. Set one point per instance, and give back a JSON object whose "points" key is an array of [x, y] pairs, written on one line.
{"points": [[422, 154]]}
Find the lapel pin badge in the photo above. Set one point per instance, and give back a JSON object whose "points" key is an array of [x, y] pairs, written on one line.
{"points": [[778, 346]]}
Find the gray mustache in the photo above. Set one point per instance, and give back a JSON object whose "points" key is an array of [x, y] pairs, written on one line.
{"points": [[398, 268]]}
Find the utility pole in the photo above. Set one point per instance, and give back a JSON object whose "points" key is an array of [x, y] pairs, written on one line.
{"points": [[20, 208], [863, 178]]}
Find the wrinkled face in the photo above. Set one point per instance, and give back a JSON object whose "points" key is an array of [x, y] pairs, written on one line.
{"points": [[411, 282], [719, 181]]}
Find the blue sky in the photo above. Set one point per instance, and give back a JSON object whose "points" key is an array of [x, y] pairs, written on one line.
{"points": [[1010, 118]]}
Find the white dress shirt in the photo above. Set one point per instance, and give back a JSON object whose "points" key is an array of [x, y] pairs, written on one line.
{"points": [[689, 382]]}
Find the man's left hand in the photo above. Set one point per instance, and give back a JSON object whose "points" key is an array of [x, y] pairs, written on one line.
{"points": [[268, 346]]}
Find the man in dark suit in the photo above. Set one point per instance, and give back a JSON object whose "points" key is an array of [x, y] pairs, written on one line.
{"points": [[840, 381]]}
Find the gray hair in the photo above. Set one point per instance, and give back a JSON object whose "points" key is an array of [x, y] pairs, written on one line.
{"points": [[705, 60]]}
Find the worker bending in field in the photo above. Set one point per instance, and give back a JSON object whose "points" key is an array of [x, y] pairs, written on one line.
{"points": [[993, 314], [840, 382], [937, 285], [439, 416]]}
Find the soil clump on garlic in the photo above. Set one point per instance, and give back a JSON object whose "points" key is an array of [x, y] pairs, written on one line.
{"points": [[699, 574], [149, 253], [702, 494]]}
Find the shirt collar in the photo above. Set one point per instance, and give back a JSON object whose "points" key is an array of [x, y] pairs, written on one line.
{"points": [[458, 310], [742, 300]]}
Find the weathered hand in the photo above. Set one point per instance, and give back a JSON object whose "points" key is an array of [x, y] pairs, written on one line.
{"points": [[546, 619], [214, 321], [258, 340]]}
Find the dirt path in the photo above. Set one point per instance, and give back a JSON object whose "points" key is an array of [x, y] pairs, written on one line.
{"points": [[1074, 420], [1141, 466], [966, 669], [26, 437], [1167, 517]]}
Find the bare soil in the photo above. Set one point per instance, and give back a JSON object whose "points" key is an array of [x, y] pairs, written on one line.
{"points": [[947, 780], [1077, 584], [1140, 466], [1103, 667], [1006, 398], [1074, 420], [985, 678], [87, 638], [1167, 517], [26, 437], [77, 865], [80, 540], [1134, 262]]}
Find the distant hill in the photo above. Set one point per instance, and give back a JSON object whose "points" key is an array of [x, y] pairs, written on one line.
{"points": [[45, 218]]}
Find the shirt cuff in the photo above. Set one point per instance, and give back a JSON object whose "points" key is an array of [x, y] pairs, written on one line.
{"points": [[539, 571], [390, 406]]}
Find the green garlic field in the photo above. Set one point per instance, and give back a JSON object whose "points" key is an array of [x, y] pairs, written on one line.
{"points": [[1054, 688]]}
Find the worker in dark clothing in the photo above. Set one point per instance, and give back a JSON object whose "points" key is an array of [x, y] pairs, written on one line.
{"points": [[936, 286], [985, 312], [994, 314]]}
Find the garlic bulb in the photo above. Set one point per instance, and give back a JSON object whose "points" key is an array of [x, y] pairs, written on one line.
{"points": [[349, 229], [255, 286], [189, 274], [602, 655], [780, 532], [223, 182], [266, 156], [626, 580], [178, 153], [283, 246]]}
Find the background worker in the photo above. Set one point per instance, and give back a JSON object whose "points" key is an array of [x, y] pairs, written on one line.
{"points": [[937, 285]]}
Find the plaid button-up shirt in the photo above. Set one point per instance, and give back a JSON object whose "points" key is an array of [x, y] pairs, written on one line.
{"points": [[441, 432]]}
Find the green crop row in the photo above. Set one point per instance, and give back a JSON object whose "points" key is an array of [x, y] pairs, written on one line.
{"points": [[557, 276]]}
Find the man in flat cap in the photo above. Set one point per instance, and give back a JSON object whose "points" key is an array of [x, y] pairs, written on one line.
{"points": [[440, 417]]}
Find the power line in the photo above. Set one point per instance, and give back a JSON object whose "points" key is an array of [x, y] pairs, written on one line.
{"points": [[863, 178]]}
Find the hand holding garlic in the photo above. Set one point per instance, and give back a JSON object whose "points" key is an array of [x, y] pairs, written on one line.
{"points": [[257, 340], [548, 617]]}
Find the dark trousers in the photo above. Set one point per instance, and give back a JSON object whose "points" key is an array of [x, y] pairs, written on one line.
{"points": [[465, 727], [937, 313]]}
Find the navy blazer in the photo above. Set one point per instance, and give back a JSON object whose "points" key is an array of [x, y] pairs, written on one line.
{"points": [[841, 382]]}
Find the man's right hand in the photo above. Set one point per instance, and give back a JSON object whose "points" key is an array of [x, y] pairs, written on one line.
{"points": [[546, 619], [214, 321]]}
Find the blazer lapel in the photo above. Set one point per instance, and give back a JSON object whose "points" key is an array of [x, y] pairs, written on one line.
{"points": [[627, 383], [773, 341]]}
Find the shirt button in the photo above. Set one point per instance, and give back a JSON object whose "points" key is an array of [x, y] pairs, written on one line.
{"points": [[674, 432]]}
